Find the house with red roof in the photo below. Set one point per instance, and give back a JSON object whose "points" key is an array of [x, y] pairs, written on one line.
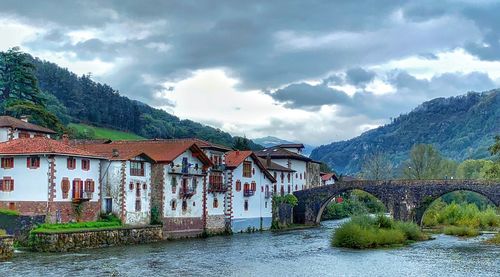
{"points": [[249, 207], [41, 176], [13, 128], [328, 178]]}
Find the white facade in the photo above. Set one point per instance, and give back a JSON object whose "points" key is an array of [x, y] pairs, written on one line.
{"points": [[250, 210], [7, 134], [127, 193], [299, 176]]}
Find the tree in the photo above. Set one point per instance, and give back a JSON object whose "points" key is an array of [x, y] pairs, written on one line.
{"points": [[17, 77], [241, 143], [425, 162], [492, 171], [377, 167], [324, 167], [471, 169]]}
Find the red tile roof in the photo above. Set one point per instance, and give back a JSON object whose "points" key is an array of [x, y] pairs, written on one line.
{"points": [[116, 152], [328, 176], [32, 146], [235, 158], [274, 166], [161, 151], [8, 121]]}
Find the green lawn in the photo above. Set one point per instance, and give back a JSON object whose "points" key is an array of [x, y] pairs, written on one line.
{"points": [[104, 133]]}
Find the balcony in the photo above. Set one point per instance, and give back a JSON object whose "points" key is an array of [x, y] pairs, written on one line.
{"points": [[218, 167], [248, 192], [214, 188], [83, 197], [185, 171], [187, 191]]}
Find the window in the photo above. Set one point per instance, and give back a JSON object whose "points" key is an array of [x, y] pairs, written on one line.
{"points": [[77, 189], [89, 188], [137, 168], [288, 188], [288, 177], [131, 186], [71, 162], [24, 135], [296, 187], [194, 204], [282, 190], [246, 205], [300, 176], [174, 184], [138, 190], [185, 165], [138, 205], [262, 189], [65, 188], [275, 176], [12, 206], [7, 163], [39, 135], [238, 185], [215, 179], [6, 184], [33, 162], [265, 204], [216, 203], [254, 186], [85, 164], [184, 205], [282, 177], [296, 175], [247, 169], [173, 204], [144, 186], [275, 189]]}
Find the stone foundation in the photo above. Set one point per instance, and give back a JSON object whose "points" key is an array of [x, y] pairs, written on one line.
{"points": [[216, 224], [282, 216], [77, 240], [19, 226], [187, 227], [65, 211], [6, 247]]}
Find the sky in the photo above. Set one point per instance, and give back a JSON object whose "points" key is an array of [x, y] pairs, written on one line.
{"points": [[308, 71]]}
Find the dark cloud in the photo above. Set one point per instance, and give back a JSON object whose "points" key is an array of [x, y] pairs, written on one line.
{"points": [[359, 77], [304, 96]]}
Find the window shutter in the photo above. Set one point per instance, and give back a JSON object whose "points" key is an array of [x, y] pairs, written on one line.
{"points": [[3, 163], [1, 185], [28, 159], [12, 185]]}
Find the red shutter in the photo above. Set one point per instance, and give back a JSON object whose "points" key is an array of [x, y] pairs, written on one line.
{"points": [[74, 189], [28, 159], [1, 184], [11, 184]]}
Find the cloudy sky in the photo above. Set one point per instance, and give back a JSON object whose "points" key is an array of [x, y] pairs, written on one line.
{"points": [[312, 71]]}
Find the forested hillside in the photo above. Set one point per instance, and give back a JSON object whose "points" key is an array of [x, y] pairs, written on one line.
{"points": [[79, 99], [460, 127]]}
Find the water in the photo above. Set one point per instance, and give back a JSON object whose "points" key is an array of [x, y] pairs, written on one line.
{"points": [[293, 253]]}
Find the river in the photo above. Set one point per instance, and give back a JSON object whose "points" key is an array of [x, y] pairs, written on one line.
{"points": [[292, 253]]}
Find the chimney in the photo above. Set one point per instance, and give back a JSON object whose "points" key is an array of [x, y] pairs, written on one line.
{"points": [[65, 138], [24, 118], [237, 152], [268, 160], [115, 153]]}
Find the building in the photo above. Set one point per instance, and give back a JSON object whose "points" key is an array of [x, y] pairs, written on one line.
{"points": [[126, 181], [13, 128], [328, 178], [41, 176], [306, 170], [248, 205], [284, 177]]}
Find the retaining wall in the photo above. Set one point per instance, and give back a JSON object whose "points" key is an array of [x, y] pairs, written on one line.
{"points": [[6, 247]]}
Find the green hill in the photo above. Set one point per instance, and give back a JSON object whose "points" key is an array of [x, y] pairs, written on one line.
{"points": [[460, 127], [103, 133]]}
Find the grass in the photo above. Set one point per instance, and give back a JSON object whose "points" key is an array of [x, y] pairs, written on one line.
{"points": [[103, 133], [107, 221], [461, 231], [366, 232], [8, 212], [2, 233]]}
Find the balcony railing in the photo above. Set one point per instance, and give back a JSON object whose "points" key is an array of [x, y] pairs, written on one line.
{"points": [[185, 171], [82, 197], [187, 191], [248, 192], [218, 167], [217, 188]]}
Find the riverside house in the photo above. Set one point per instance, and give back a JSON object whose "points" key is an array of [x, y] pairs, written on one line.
{"points": [[41, 176], [126, 181], [328, 179], [284, 177], [248, 205], [13, 128]]}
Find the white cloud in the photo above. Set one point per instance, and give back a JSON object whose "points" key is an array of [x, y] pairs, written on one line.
{"points": [[14, 33]]}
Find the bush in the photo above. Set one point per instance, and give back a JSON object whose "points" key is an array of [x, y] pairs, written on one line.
{"points": [[8, 212], [109, 218], [469, 215], [3, 232], [287, 199], [461, 231], [54, 227], [411, 231], [495, 239], [356, 203]]}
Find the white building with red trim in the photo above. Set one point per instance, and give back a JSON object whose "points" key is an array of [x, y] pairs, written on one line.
{"points": [[13, 128], [41, 176], [247, 205]]}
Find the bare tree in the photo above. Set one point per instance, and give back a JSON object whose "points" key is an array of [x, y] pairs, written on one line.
{"points": [[377, 166]]}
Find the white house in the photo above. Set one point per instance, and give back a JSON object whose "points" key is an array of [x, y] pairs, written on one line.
{"points": [[248, 205], [284, 176], [328, 178], [41, 176], [13, 128], [126, 181], [306, 171]]}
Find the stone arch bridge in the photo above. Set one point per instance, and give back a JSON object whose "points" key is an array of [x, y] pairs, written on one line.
{"points": [[404, 199]]}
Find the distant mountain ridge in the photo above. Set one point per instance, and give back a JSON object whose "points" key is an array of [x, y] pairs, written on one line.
{"points": [[460, 127], [273, 141]]}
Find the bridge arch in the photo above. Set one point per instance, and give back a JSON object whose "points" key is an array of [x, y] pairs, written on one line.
{"points": [[404, 199]]}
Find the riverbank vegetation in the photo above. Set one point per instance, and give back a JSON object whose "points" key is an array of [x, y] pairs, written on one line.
{"points": [[372, 232], [495, 239], [356, 202], [106, 221], [285, 199], [3, 232], [9, 212]]}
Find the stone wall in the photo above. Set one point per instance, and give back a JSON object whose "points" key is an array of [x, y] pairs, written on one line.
{"points": [[282, 215], [216, 224], [76, 240], [182, 227], [61, 211], [313, 175], [19, 226], [6, 247]]}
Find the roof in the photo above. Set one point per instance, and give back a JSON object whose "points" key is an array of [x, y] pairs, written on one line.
{"points": [[8, 121], [348, 178], [276, 152], [203, 144], [235, 158], [270, 165], [161, 151], [290, 145], [44, 146], [328, 176], [114, 152]]}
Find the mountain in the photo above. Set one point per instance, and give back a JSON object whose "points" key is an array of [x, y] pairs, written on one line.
{"points": [[272, 141], [460, 127], [78, 99]]}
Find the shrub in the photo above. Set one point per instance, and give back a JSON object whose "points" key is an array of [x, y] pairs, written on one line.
{"points": [[109, 218], [287, 199], [461, 231], [495, 239], [489, 218], [387, 237], [384, 222], [352, 235], [411, 231], [3, 232], [8, 212], [54, 227]]}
